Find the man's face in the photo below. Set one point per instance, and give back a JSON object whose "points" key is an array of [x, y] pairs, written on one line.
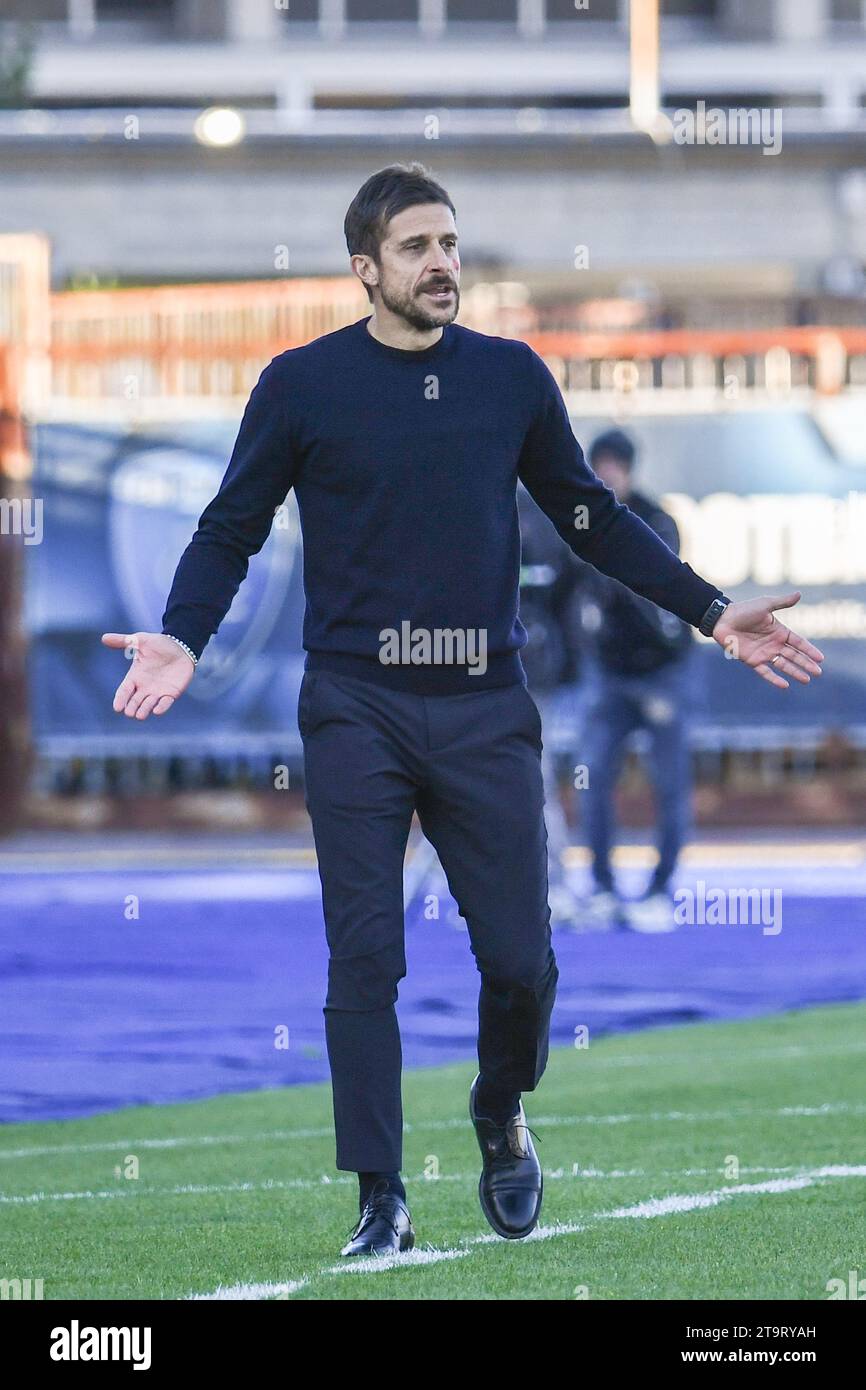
{"points": [[614, 472], [418, 268]]}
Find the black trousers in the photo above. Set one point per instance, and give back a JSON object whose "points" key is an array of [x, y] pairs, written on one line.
{"points": [[470, 765]]}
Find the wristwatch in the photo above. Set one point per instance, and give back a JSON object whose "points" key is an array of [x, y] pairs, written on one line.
{"points": [[712, 615]]}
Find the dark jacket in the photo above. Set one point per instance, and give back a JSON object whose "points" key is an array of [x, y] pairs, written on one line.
{"points": [[635, 637], [551, 580]]}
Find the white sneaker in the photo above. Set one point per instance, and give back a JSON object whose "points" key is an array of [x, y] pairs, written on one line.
{"points": [[564, 907], [652, 914], [599, 912]]}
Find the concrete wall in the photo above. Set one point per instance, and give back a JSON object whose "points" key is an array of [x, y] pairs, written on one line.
{"points": [[135, 211]]}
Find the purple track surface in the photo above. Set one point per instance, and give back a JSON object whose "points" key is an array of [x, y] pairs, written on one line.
{"points": [[100, 1012]]}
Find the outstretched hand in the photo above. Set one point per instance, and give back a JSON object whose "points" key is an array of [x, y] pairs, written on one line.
{"points": [[159, 673], [751, 633]]}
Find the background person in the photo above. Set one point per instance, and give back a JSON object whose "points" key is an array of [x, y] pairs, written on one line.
{"points": [[641, 682], [551, 582]]}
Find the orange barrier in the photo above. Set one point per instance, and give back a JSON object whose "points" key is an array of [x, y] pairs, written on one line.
{"points": [[211, 341], [288, 310], [189, 339], [25, 317], [14, 455]]}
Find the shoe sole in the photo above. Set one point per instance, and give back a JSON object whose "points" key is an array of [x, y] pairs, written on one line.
{"points": [[406, 1243]]}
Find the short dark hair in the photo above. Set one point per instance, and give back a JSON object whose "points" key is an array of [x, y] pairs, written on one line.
{"points": [[615, 442], [391, 190]]}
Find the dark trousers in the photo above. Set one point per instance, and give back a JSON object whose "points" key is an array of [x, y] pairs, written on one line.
{"points": [[470, 765], [657, 704]]}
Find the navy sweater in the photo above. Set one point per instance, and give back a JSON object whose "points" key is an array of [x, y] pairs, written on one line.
{"points": [[405, 467]]}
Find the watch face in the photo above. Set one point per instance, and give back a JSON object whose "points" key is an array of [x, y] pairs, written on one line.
{"points": [[711, 617]]}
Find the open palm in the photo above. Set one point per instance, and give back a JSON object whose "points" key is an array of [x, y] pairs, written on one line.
{"points": [[160, 672], [750, 632]]}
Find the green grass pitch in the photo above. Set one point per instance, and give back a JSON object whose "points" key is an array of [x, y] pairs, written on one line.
{"points": [[699, 1162]]}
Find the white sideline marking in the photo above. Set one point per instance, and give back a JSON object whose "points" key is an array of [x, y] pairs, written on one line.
{"points": [[238, 1292], [664, 1116], [189, 1141], [827, 1109], [326, 1131], [665, 1206], [559, 1228], [378, 1264], [840, 1170], [674, 1204], [181, 1190], [792, 1050], [696, 1201], [309, 1184], [699, 1201]]}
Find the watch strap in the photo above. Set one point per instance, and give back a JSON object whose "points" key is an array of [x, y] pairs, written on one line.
{"points": [[712, 615]]}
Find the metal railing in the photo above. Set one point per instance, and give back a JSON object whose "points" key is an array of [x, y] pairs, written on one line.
{"points": [[209, 343], [189, 341], [135, 351], [777, 361]]}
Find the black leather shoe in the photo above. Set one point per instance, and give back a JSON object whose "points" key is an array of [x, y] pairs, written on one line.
{"points": [[511, 1185], [385, 1226]]}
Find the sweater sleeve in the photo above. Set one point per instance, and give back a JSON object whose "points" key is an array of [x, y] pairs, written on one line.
{"points": [[237, 522], [588, 517]]}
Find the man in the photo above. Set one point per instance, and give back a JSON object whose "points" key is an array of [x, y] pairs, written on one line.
{"points": [[643, 659], [404, 436]]}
